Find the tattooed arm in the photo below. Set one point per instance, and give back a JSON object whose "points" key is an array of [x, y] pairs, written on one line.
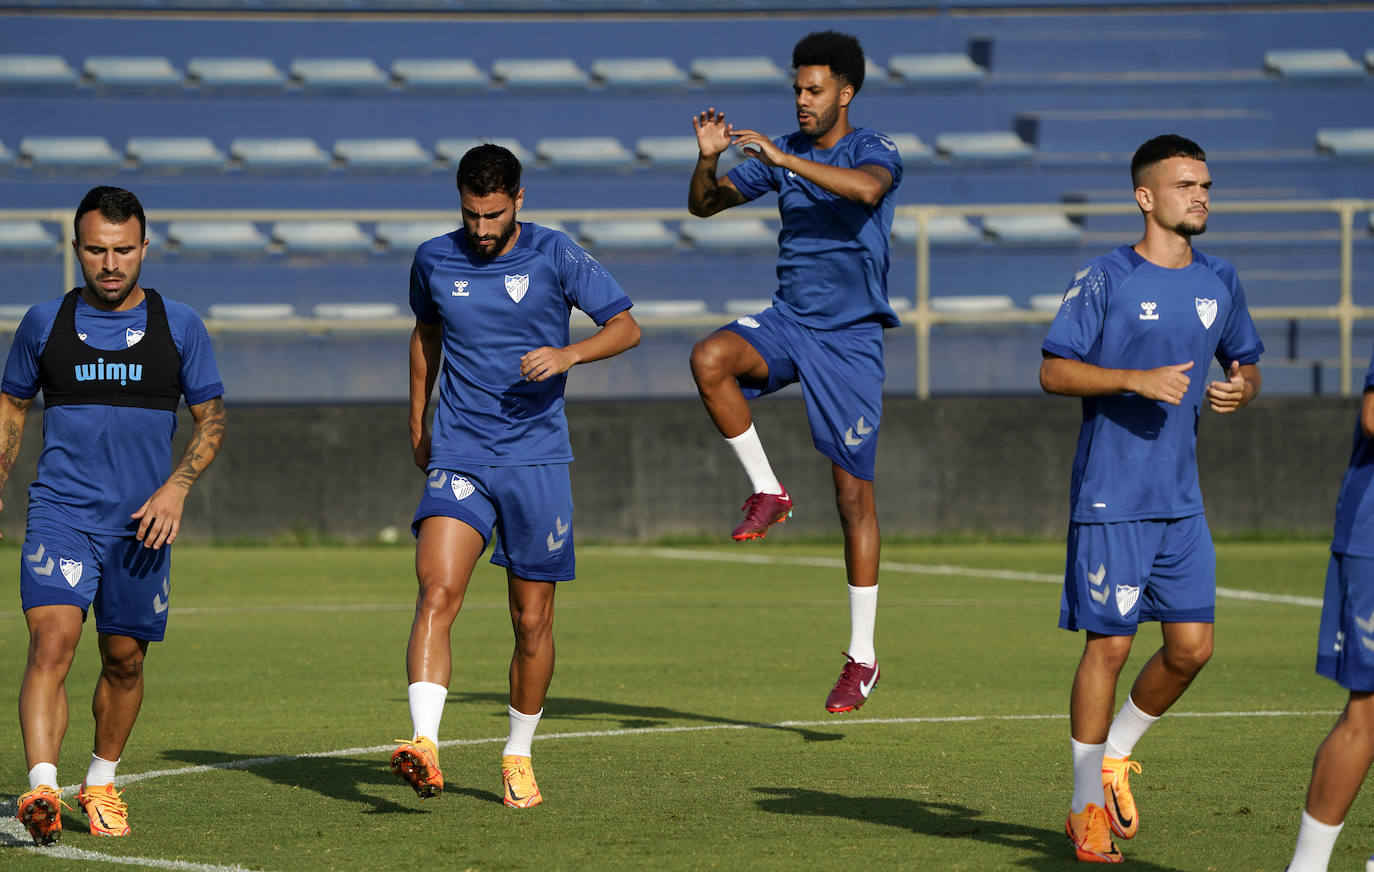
{"points": [[13, 411], [708, 194], [159, 519]]}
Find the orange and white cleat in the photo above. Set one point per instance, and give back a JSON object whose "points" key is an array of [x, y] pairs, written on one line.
{"points": [[1116, 792], [1091, 835], [109, 815], [518, 787], [417, 763], [40, 811]]}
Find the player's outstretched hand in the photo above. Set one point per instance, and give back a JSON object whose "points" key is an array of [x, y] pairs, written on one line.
{"points": [[713, 134], [1229, 395], [159, 519], [545, 363], [1167, 384], [756, 145]]}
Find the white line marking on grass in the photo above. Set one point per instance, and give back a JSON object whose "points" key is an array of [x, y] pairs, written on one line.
{"points": [[910, 568]]}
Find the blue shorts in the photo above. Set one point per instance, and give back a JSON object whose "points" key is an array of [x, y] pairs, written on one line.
{"points": [[1345, 642], [530, 507], [1118, 575], [129, 585], [841, 374]]}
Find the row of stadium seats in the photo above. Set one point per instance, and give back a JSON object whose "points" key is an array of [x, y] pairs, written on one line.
{"points": [[605, 153], [463, 74]]}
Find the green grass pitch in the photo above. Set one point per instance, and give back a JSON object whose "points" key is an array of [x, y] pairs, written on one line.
{"points": [[685, 726]]}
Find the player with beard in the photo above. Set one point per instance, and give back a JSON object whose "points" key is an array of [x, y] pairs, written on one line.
{"points": [[113, 361], [836, 188], [1133, 326], [491, 303]]}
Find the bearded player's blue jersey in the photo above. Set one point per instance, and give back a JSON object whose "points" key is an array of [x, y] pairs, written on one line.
{"points": [[1355, 505], [833, 252], [101, 462], [493, 311], [1137, 458]]}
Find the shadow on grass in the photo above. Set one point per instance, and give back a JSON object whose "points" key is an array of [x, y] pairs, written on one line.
{"points": [[633, 717], [940, 819]]}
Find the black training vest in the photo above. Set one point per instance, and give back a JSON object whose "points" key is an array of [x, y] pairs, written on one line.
{"points": [[146, 375]]}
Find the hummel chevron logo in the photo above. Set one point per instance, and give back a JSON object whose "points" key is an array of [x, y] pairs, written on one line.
{"points": [[561, 527], [160, 602], [554, 544], [1367, 626], [859, 427], [36, 558], [1368, 642], [1095, 578]]}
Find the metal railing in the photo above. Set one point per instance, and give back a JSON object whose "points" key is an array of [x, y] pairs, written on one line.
{"points": [[921, 317]]}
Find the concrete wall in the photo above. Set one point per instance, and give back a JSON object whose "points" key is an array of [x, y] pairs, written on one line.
{"points": [[648, 470]]}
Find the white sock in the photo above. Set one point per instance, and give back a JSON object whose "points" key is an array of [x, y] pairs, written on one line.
{"points": [[101, 771], [863, 613], [522, 728], [1130, 724], [43, 773], [1315, 841], [1087, 775], [749, 449], [427, 708]]}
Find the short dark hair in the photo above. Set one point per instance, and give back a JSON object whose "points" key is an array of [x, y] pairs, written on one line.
{"points": [[489, 169], [839, 51], [115, 205], [1162, 148]]}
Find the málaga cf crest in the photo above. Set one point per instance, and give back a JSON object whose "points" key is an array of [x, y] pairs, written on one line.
{"points": [[517, 285], [462, 488], [1206, 309], [71, 570]]}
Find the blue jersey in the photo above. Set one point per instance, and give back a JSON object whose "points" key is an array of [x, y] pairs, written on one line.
{"points": [[1355, 505], [1137, 458], [101, 462], [493, 311], [833, 253]]}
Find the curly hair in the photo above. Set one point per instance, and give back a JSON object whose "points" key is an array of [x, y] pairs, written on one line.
{"points": [[489, 169], [838, 51]]}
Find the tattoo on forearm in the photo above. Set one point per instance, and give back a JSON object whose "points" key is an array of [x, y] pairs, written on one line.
{"points": [[204, 444], [11, 435]]}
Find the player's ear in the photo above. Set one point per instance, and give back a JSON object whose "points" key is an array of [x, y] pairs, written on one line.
{"points": [[519, 199], [1145, 199], [846, 94]]}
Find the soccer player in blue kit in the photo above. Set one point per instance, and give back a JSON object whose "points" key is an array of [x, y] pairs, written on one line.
{"points": [[1133, 338], [836, 188], [1345, 653], [113, 361], [491, 303]]}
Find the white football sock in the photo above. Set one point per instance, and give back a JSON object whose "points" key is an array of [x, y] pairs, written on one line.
{"points": [[1315, 841], [101, 771], [863, 614], [522, 728], [427, 708], [1130, 724], [1087, 775], [749, 449], [43, 773]]}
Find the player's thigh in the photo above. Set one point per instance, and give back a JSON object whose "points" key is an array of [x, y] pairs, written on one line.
{"points": [[135, 592], [452, 526], [1108, 566], [1183, 581], [728, 354], [57, 566], [535, 522]]}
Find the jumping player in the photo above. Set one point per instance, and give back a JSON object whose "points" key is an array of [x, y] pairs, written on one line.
{"points": [[491, 303], [113, 361], [836, 189], [1133, 335]]}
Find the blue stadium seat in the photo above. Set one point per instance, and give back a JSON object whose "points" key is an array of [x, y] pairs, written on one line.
{"points": [[439, 74], [1046, 302], [356, 311], [30, 71], [26, 237], [251, 311], [584, 153], [216, 237], [539, 73], [69, 152], [1312, 63], [13, 312], [1352, 142], [403, 237], [875, 74], [943, 230], [289, 154], [739, 234], [1051, 228], [321, 237], [133, 72], [639, 73], [628, 235], [669, 152], [174, 153], [911, 148], [243, 72], [6, 156], [746, 306], [983, 146], [328, 74], [739, 72], [393, 154], [936, 69], [452, 149], [972, 304], [669, 308]]}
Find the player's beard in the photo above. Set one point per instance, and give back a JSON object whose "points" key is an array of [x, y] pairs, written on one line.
{"points": [[499, 242], [822, 122], [113, 298], [1189, 227]]}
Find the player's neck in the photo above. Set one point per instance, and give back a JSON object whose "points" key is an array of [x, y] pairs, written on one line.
{"points": [[1169, 250], [839, 131], [135, 298]]}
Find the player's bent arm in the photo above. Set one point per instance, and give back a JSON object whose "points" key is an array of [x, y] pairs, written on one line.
{"points": [[619, 333], [425, 350], [866, 184], [1367, 414], [708, 193], [1075, 378], [13, 411], [159, 518]]}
